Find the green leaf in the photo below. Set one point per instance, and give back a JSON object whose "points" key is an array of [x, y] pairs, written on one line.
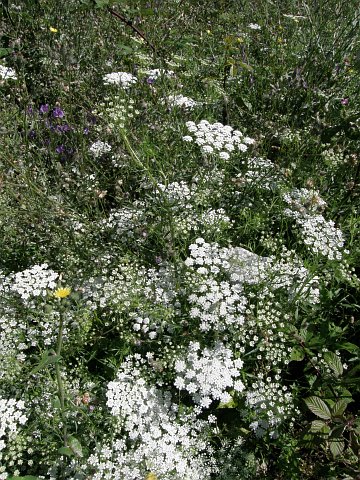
{"points": [[47, 358], [318, 407], [349, 347], [230, 404], [66, 451], [5, 51], [318, 426], [340, 406], [334, 363], [336, 447], [297, 354], [75, 446]]}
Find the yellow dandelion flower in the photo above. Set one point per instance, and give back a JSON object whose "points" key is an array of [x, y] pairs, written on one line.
{"points": [[62, 292], [151, 476], [53, 30]]}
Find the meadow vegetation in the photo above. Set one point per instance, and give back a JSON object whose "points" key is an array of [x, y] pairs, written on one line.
{"points": [[179, 212]]}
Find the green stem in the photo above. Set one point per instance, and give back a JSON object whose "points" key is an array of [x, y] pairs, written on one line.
{"points": [[61, 391]]}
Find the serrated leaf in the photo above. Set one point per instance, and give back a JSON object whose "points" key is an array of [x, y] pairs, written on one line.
{"points": [[340, 406], [66, 451], [336, 447], [309, 440], [75, 446], [46, 359], [334, 363], [349, 347], [318, 426], [297, 354], [318, 407]]}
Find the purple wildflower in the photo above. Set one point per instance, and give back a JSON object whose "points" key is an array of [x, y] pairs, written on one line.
{"points": [[60, 149], [44, 108], [62, 128], [58, 113], [344, 101]]}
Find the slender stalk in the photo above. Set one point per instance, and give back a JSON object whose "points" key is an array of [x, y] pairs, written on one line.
{"points": [[61, 391], [130, 24]]}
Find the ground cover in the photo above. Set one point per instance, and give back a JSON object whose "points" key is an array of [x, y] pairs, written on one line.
{"points": [[179, 212]]}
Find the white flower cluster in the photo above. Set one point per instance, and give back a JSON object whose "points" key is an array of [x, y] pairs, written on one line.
{"points": [[319, 235], [214, 220], [217, 139], [123, 79], [33, 282], [246, 268], [115, 111], [156, 73], [12, 342], [144, 298], [100, 148], [334, 157], [7, 73], [182, 102], [11, 416], [254, 26], [266, 331], [161, 441], [260, 173], [124, 221], [188, 220], [208, 374], [272, 404], [187, 204], [178, 192], [216, 305], [304, 201]]}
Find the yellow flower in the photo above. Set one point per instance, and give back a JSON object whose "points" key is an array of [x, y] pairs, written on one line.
{"points": [[53, 30], [151, 476], [62, 292]]}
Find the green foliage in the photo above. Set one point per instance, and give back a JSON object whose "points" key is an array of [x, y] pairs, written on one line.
{"points": [[292, 84]]}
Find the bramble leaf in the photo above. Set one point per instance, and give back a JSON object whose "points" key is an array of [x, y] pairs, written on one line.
{"points": [[318, 407], [336, 447], [340, 406], [318, 426], [297, 354], [334, 363]]}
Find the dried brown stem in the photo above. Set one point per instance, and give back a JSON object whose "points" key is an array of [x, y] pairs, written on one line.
{"points": [[130, 24]]}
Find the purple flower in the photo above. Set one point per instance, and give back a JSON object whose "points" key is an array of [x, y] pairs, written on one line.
{"points": [[44, 108], [86, 131], [60, 149], [344, 101], [62, 128], [58, 113], [150, 80]]}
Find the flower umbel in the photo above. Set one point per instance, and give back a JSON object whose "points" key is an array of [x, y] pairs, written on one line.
{"points": [[62, 292]]}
